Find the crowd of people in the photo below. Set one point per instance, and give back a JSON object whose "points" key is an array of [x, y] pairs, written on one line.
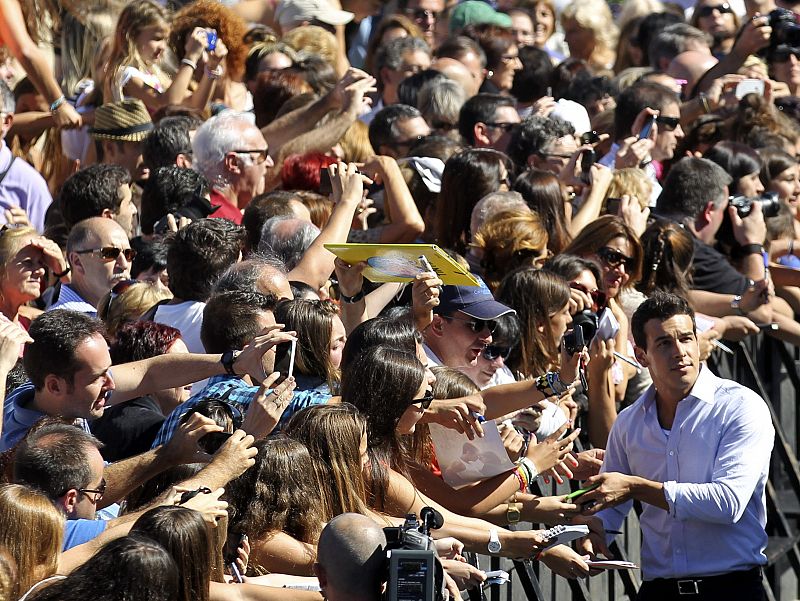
{"points": [[202, 401]]}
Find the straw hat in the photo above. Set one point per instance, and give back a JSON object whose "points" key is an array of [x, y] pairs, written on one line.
{"points": [[126, 121]]}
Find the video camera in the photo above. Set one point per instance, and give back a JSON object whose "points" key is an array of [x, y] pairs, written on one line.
{"points": [[415, 574], [770, 205], [785, 31]]}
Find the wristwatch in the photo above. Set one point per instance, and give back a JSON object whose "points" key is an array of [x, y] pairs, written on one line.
{"points": [[494, 545], [351, 299], [513, 513], [228, 359], [736, 304]]}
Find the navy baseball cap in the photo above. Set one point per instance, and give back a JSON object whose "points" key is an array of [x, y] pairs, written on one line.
{"points": [[475, 301]]}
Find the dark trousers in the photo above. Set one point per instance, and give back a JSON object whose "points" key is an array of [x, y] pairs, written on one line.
{"points": [[743, 586]]}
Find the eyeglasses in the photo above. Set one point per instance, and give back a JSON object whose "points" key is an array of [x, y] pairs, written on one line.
{"points": [[109, 253], [492, 352], [410, 141], [425, 401], [263, 154], [119, 288], [99, 492], [614, 258], [668, 123], [474, 324], [504, 126], [708, 9], [598, 296]]}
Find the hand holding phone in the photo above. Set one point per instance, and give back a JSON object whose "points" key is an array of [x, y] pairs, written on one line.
{"points": [[581, 491], [644, 133]]}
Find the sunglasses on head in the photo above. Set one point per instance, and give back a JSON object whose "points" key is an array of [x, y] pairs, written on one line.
{"points": [[476, 325], [668, 123], [425, 401], [109, 253], [708, 9], [598, 296], [492, 352], [614, 258]]}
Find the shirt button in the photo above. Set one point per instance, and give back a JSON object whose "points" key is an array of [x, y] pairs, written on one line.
{"points": [[671, 453]]}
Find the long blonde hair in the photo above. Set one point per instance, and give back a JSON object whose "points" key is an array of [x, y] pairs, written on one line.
{"points": [[32, 531], [134, 18]]}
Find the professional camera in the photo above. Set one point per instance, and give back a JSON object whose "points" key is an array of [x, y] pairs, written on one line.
{"points": [[584, 327], [197, 208], [415, 573], [785, 30], [770, 205]]}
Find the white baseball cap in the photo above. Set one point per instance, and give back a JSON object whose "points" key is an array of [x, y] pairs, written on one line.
{"points": [[291, 12]]}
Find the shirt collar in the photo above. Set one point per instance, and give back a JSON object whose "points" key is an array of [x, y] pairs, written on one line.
{"points": [[704, 388]]}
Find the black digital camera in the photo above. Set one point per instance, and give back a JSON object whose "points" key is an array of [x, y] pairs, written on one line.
{"points": [[584, 327], [770, 205], [785, 31]]}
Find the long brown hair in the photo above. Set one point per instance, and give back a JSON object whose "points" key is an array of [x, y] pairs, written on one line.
{"points": [[545, 196], [536, 295], [32, 531], [668, 253], [600, 232], [332, 434]]}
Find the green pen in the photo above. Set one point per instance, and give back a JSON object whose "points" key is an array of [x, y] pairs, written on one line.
{"points": [[581, 491]]}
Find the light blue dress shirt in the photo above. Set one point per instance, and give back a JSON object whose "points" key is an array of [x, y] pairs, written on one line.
{"points": [[713, 464]]}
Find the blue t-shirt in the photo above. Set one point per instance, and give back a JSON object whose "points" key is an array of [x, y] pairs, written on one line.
{"points": [[77, 532]]}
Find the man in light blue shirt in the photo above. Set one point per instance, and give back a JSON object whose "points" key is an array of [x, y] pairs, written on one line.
{"points": [[694, 450]]}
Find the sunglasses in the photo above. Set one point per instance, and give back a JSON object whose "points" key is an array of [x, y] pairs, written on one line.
{"points": [[598, 296], [262, 154], [492, 352], [421, 14], [425, 401], [668, 123], [476, 326], [504, 126], [614, 258], [708, 9], [109, 253]]}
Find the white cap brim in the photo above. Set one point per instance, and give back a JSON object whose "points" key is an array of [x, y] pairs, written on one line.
{"points": [[334, 16]]}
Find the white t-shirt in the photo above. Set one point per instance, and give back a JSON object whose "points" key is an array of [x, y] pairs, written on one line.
{"points": [[188, 318]]}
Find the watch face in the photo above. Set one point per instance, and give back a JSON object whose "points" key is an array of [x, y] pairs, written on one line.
{"points": [[494, 547], [513, 515]]}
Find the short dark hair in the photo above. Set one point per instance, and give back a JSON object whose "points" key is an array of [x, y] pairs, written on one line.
{"points": [[167, 190], [150, 254], [56, 334], [481, 108], [691, 184], [230, 319], [54, 460], [383, 129], [457, 47], [90, 191], [636, 98], [263, 207], [168, 139], [533, 135], [649, 27], [661, 306], [531, 82], [199, 253]]}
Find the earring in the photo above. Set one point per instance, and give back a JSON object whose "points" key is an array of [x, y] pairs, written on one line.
{"points": [[489, 74]]}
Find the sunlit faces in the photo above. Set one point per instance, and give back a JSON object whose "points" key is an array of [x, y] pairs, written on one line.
{"points": [[716, 17], [414, 412], [787, 70], [92, 383], [23, 276], [667, 138], [672, 355], [544, 24], [460, 345], [151, 43], [581, 40], [615, 277], [338, 338], [750, 185], [787, 186], [522, 28], [94, 274], [127, 215], [503, 72], [556, 155], [251, 167], [559, 322], [499, 132], [85, 506]]}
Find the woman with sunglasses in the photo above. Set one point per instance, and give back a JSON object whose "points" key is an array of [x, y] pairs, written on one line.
{"points": [[784, 66], [616, 248], [717, 19]]}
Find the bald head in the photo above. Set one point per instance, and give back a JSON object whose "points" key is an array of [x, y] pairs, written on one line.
{"points": [[92, 231], [456, 71], [351, 557], [690, 65]]}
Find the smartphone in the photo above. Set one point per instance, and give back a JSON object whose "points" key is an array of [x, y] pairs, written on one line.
{"points": [[291, 358], [581, 491], [612, 206], [284, 357], [588, 158], [211, 36], [211, 442], [648, 126], [749, 86], [325, 186]]}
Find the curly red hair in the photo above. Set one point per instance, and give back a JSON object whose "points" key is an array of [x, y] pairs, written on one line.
{"points": [[213, 15]]}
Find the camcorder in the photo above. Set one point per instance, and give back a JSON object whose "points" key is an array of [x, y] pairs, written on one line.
{"points": [[785, 32], [414, 571], [584, 327], [770, 205]]}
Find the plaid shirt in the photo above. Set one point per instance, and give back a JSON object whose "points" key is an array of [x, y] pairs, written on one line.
{"points": [[238, 393]]}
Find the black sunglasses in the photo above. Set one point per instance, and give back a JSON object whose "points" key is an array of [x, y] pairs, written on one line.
{"points": [[708, 9], [476, 325], [109, 253], [614, 258], [425, 401], [668, 123], [492, 352]]}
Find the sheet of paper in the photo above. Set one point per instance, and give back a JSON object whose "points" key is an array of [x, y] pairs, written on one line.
{"points": [[463, 461], [609, 564]]}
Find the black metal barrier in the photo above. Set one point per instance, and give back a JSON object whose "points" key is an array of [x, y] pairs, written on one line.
{"points": [[772, 369]]}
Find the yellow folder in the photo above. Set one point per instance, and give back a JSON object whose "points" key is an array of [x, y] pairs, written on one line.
{"points": [[401, 262]]}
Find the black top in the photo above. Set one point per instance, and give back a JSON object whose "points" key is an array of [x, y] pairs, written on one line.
{"points": [[713, 272], [128, 429]]}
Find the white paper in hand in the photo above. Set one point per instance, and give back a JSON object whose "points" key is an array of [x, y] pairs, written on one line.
{"points": [[608, 327], [463, 461]]}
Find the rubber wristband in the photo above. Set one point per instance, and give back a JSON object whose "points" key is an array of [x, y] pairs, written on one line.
{"points": [[57, 103], [190, 63]]}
